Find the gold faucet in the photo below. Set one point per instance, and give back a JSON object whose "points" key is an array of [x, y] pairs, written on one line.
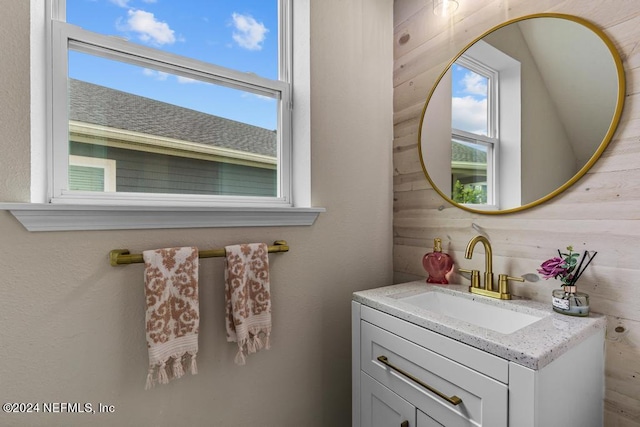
{"points": [[488, 259], [503, 280]]}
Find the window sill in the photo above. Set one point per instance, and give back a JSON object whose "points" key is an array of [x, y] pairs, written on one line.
{"points": [[59, 217]]}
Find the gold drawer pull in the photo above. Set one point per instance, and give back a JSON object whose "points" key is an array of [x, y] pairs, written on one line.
{"points": [[454, 400]]}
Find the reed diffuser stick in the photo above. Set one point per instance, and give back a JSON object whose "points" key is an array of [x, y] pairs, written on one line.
{"points": [[577, 276]]}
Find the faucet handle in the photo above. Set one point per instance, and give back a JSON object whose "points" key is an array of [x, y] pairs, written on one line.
{"points": [[503, 282], [475, 276]]}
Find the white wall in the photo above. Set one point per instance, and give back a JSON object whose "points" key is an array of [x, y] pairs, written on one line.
{"points": [[436, 128], [73, 326], [542, 130]]}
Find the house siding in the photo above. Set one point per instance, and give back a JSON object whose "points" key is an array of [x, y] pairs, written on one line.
{"points": [[139, 171]]}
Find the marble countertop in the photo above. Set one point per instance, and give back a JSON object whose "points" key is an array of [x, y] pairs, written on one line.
{"points": [[533, 346]]}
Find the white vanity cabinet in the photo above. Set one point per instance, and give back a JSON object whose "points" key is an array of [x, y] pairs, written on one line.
{"points": [[406, 375]]}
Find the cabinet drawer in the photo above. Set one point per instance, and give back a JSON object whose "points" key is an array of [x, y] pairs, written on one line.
{"points": [[478, 360], [417, 375]]}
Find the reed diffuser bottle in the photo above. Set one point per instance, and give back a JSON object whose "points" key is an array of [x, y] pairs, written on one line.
{"points": [[565, 267], [437, 264]]}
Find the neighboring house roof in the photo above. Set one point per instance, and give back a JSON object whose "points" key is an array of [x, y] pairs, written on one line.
{"points": [[99, 105], [464, 153]]}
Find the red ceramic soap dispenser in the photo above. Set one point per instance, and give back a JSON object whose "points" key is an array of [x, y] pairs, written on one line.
{"points": [[437, 264]]}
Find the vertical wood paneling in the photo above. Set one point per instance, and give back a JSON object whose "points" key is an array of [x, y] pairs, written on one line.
{"points": [[600, 212]]}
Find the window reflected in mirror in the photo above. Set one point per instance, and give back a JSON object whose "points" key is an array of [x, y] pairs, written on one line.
{"points": [[469, 172], [474, 131], [512, 122]]}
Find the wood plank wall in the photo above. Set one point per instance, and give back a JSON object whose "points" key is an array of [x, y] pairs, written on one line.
{"points": [[600, 212]]}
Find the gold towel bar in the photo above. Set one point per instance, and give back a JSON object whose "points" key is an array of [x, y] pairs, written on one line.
{"points": [[122, 256]]}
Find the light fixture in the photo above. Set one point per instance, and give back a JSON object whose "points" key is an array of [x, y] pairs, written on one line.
{"points": [[444, 7]]}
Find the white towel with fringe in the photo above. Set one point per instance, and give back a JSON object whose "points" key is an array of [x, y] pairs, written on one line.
{"points": [[247, 298], [173, 313]]}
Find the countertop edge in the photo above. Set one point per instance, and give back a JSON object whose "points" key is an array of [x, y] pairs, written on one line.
{"points": [[534, 353]]}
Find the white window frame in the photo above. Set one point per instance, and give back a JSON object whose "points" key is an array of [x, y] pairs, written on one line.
{"points": [[509, 122], [52, 209], [492, 139]]}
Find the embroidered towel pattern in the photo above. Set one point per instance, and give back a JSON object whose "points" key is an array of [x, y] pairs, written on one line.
{"points": [[247, 298], [173, 314]]}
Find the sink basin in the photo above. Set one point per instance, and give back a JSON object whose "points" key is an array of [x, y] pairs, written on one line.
{"points": [[478, 313]]}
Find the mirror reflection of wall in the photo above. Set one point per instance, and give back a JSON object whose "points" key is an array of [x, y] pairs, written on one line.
{"points": [[520, 113], [550, 157]]}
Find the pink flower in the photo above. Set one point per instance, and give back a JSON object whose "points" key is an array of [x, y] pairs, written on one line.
{"points": [[565, 267], [553, 267]]}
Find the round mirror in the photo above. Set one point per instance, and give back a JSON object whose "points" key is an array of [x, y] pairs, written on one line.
{"points": [[521, 113]]}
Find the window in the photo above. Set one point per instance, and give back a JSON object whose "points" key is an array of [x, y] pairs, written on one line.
{"points": [[474, 139], [192, 102], [91, 174], [130, 88], [486, 128]]}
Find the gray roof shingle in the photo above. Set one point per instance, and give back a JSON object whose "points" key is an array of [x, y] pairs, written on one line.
{"points": [[464, 153], [100, 105]]}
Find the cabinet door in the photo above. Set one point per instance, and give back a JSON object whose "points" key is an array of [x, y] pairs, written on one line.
{"points": [[424, 420], [383, 408]]}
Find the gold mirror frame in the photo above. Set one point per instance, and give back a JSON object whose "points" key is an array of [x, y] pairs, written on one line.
{"points": [[607, 138]]}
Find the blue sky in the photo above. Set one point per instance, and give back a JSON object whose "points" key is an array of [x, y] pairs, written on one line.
{"points": [[469, 100], [238, 34]]}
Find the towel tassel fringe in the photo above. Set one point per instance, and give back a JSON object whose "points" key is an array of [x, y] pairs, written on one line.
{"points": [[240, 357], [163, 377], [178, 370], [267, 342], [150, 382], [194, 365]]}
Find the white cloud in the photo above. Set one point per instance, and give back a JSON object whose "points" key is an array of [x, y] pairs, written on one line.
{"points": [[162, 76], [470, 114], [158, 75], [185, 80], [125, 3], [149, 29], [249, 33], [475, 84]]}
